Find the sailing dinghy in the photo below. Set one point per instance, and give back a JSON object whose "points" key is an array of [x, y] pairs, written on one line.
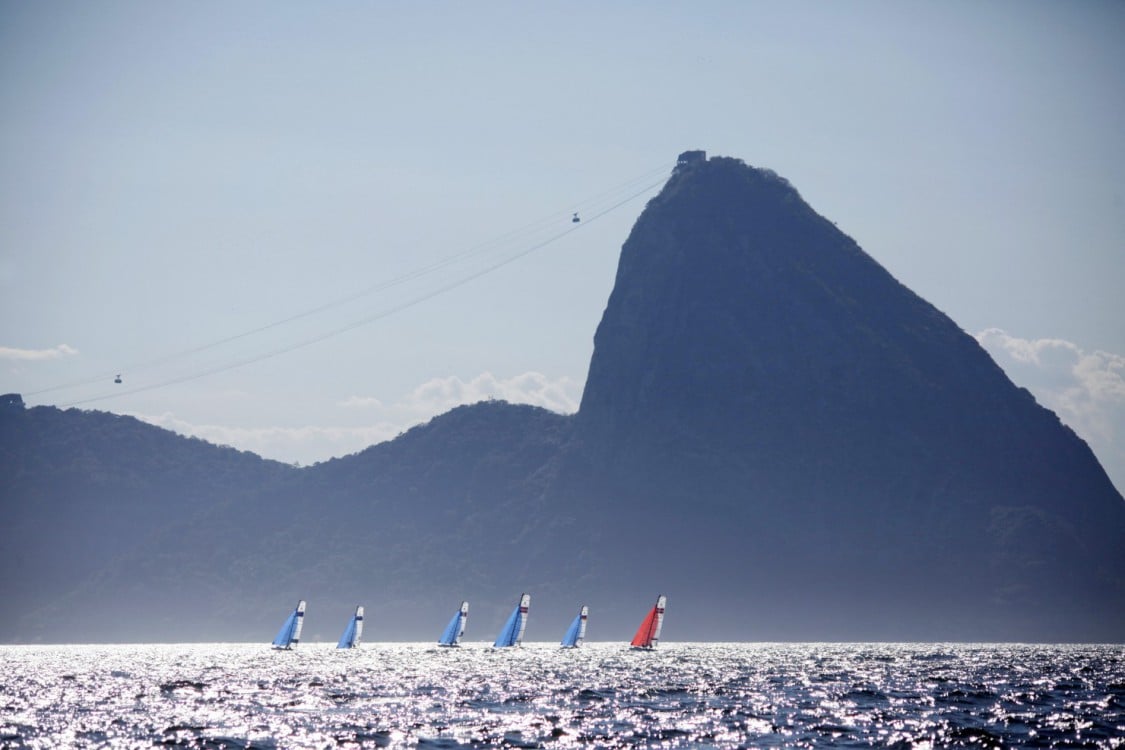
{"points": [[353, 632], [290, 633], [576, 633], [456, 627], [648, 634], [512, 633]]}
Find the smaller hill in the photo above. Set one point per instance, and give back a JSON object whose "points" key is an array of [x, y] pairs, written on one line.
{"points": [[409, 527], [80, 488]]}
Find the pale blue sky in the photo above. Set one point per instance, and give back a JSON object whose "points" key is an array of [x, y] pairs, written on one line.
{"points": [[175, 173]]}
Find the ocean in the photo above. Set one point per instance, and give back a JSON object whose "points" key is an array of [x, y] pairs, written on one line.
{"points": [[724, 695]]}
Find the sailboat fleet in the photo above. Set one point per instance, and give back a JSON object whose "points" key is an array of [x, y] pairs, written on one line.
{"points": [[510, 636]]}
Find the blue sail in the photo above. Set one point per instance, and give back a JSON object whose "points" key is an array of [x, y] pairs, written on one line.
{"points": [[347, 640], [290, 633], [576, 633], [571, 638], [286, 632], [512, 632], [507, 635], [451, 636], [353, 632]]}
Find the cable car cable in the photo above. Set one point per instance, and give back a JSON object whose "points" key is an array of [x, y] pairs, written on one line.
{"points": [[371, 318], [438, 265]]}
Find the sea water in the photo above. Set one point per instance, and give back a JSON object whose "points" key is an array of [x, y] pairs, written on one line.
{"points": [[601, 695]]}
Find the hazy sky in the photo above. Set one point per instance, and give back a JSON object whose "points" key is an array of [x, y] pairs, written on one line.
{"points": [[176, 174]]}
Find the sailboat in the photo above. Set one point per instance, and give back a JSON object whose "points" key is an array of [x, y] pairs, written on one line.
{"points": [[648, 634], [512, 632], [353, 632], [576, 633], [456, 627], [290, 633]]}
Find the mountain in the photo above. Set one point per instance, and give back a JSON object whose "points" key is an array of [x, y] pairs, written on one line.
{"points": [[821, 442], [775, 433]]}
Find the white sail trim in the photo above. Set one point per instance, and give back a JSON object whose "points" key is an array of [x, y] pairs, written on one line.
{"points": [[660, 602], [464, 618], [300, 623], [525, 605]]}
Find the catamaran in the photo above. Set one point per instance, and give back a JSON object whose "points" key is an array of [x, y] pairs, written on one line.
{"points": [[648, 634], [353, 632], [456, 627], [512, 632], [576, 633], [290, 633]]}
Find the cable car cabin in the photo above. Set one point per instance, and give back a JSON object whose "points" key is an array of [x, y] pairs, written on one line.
{"points": [[117, 379], [574, 219]]}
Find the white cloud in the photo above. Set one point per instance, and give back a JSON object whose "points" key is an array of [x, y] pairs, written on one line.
{"points": [[33, 355], [312, 443], [360, 402], [1086, 389], [441, 394], [307, 444]]}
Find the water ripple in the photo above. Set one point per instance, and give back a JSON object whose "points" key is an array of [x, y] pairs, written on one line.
{"points": [[684, 695]]}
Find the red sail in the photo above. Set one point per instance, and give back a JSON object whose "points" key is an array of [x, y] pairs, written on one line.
{"points": [[643, 638]]}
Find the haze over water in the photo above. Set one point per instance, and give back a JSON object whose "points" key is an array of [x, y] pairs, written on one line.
{"points": [[603, 695]]}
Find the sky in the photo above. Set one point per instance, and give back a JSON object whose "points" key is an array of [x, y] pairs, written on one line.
{"points": [[300, 229]]}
